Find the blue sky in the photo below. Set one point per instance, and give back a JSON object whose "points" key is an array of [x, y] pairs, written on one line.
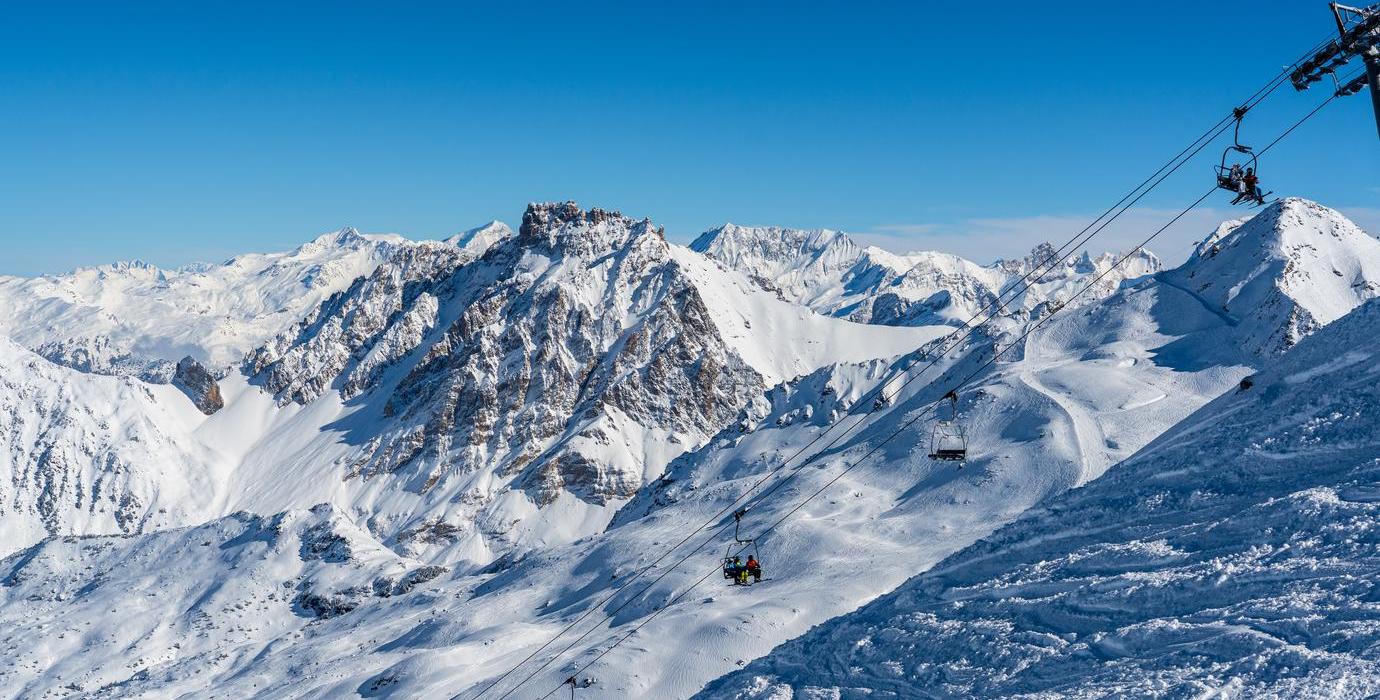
{"points": [[183, 131]]}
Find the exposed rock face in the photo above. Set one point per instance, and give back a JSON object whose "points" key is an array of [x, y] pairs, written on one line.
{"points": [[300, 364], [199, 385], [532, 363], [98, 355]]}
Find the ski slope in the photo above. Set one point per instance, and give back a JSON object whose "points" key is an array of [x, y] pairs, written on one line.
{"points": [[1235, 556]]}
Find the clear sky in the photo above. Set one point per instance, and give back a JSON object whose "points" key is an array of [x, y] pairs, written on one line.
{"points": [[184, 131]]}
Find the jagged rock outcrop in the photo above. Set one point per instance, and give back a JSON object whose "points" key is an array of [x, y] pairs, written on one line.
{"points": [[532, 362], [299, 365], [199, 385]]}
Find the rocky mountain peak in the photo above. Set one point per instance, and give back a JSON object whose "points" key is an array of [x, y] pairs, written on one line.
{"points": [[564, 228], [528, 364]]}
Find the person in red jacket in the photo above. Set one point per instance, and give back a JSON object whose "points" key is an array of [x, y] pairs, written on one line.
{"points": [[754, 567], [1250, 188]]}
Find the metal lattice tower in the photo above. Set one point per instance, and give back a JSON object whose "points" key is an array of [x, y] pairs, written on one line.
{"points": [[1359, 30]]}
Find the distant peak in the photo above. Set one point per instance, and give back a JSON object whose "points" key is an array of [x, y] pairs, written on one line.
{"points": [[346, 237], [119, 267], [771, 241], [479, 238]]}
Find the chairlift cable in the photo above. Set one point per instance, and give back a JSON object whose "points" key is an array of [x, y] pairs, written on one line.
{"points": [[996, 306], [906, 426]]}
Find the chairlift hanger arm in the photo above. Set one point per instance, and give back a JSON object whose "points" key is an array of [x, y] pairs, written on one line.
{"points": [[1359, 30]]}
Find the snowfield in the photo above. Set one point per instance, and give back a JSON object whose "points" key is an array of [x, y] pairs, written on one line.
{"points": [[471, 446]]}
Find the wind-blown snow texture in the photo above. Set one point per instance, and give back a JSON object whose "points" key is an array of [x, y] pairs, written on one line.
{"points": [[446, 458]]}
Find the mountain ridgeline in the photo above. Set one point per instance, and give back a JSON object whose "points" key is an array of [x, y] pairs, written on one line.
{"points": [[531, 362], [376, 467]]}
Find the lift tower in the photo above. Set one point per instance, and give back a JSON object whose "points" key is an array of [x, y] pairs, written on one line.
{"points": [[1359, 28]]}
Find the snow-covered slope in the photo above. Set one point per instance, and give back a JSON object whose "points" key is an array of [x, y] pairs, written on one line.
{"points": [[1237, 556], [547, 418], [1291, 269], [830, 273], [81, 453], [120, 318], [142, 617]]}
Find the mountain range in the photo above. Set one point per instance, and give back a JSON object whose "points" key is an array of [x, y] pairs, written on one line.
{"points": [[376, 467]]}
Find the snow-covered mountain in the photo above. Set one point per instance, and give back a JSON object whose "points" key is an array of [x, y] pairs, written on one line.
{"points": [[1238, 555], [127, 317], [1292, 269], [471, 446], [82, 453], [830, 273], [464, 398]]}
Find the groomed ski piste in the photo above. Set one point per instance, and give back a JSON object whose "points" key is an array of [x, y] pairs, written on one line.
{"points": [[275, 574], [1237, 555]]}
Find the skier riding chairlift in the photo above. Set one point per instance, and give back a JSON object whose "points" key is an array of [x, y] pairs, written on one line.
{"points": [[734, 568], [1249, 189], [1240, 178]]}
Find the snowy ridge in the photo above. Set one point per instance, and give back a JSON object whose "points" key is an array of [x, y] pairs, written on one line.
{"points": [[1237, 554], [84, 454], [830, 273], [503, 427], [1294, 267], [479, 239], [133, 314]]}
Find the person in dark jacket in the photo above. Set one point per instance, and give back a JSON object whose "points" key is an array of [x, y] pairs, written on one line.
{"points": [[734, 569], [754, 568], [1250, 188]]}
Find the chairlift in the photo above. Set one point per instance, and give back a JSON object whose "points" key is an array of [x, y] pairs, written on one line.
{"points": [[948, 441], [733, 570], [1229, 177]]}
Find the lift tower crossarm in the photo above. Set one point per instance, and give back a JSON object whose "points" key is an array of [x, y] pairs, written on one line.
{"points": [[1359, 28]]}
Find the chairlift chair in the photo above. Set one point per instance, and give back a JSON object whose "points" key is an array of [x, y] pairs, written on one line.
{"points": [[1250, 161], [948, 441], [738, 540], [1245, 157]]}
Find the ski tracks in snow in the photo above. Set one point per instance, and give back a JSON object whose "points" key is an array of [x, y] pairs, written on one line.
{"points": [[1089, 441]]}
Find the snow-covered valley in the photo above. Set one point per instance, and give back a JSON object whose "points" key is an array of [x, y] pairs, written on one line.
{"points": [[444, 454]]}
